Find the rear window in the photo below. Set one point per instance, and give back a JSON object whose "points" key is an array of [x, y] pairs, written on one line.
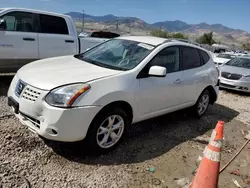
{"points": [[53, 25], [191, 58], [205, 56]]}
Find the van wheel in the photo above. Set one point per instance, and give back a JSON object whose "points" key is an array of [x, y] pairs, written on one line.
{"points": [[107, 130], [202, 104]]}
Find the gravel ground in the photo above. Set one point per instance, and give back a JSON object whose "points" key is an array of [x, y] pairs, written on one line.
{"points": [[166, 143]]}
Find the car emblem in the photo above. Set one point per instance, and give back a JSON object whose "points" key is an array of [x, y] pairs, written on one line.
{"points": [[229, 76], [19, 88]]}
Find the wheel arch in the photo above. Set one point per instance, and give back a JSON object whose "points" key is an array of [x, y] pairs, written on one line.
{"points": [[213, 94], [119, 104]]}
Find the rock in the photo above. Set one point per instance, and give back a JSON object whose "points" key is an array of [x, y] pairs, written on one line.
{"points": [[182, 182], [202, 139], [247, 181], [8, 137]]}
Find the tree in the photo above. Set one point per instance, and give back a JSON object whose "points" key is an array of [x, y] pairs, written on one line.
{"points": [[246, 46], [178, 36], [164, 34], [159, 33], [206, 38]]}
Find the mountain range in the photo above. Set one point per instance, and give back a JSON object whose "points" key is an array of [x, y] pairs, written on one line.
{"points": [[222, 33]]}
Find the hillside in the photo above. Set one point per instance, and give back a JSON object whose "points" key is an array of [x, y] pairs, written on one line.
{"points": [[135, 25]]}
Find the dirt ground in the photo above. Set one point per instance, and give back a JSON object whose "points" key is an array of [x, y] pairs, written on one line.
{"points": [[167, 144]]}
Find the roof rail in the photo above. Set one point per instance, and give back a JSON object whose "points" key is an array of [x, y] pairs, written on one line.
{"points": [[187, 41]]}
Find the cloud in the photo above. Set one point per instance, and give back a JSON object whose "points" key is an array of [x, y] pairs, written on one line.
{"points": [[44, 0]]}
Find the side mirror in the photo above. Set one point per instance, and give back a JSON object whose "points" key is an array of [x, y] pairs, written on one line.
{"points": [[157, 71], [3, 25]]}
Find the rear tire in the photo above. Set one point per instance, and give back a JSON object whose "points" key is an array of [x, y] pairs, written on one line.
{"points": [[107, 130], [202, 104]]}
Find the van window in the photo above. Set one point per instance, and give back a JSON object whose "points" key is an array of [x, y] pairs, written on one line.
{"points": [[53, 25], [190, 57], [20, 21]]}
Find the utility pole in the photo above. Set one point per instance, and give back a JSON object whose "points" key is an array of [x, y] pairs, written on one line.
{"points": [[83, 19], [116, 24]]}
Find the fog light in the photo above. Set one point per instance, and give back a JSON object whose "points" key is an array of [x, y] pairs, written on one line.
{"points": [[52, 132]]}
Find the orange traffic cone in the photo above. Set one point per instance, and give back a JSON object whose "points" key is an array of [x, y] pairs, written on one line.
{"points": [[207, 175]]}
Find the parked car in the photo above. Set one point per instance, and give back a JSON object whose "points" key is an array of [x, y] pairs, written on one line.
{"points": [[98, 94], [223, 58], [235, 74], [93, 38], [27, 35]]}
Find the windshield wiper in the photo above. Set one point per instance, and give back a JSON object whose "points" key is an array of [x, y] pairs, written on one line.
{"points": [[88, 60]]}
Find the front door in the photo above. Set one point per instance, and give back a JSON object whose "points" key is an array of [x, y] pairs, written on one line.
{"points": [[158, 95], [19, 41]]}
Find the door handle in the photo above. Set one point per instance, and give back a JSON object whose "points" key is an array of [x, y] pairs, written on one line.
{"points": [[178, 81], [69, 41], [29, 39]]}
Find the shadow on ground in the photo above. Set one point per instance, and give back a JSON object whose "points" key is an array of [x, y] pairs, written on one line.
{"points": [[150, 139], [4, 84], [241, 93]]}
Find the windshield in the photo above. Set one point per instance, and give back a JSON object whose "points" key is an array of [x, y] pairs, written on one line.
{"points": [[117, 54], [240, 62], [226, 56]]}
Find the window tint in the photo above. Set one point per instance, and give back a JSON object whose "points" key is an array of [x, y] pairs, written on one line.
{"points": [[103, 34], [53, 25], [191, 58], [19, 21], [169, 58], [205, 56]]}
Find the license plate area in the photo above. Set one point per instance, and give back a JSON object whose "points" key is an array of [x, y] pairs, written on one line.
{"points": [[12, 103]]}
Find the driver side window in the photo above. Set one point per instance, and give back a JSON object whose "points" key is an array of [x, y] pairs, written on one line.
{"points": [[19, 21], [168, 58]]}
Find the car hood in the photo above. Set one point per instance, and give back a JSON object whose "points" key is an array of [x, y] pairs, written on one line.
{"points": [[221, 60], [53, 72], [235, 70]]}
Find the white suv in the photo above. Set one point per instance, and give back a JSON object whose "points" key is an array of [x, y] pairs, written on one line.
{"points": [[97, 95]]}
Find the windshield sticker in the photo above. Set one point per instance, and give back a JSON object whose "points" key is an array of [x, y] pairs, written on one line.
{"points": [[143, 45]]}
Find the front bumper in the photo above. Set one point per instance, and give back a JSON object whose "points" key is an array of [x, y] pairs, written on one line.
{"points": [[237, 85], [59, 124]]}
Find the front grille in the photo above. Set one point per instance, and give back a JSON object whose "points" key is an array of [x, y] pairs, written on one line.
{"points": [[227, 85], [30, 93], [231, 76]]}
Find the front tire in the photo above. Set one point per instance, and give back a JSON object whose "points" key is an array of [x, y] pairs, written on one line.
{"points": [[107, 130], [202, 104]]}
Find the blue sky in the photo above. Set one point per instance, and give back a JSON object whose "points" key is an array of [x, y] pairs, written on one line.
{"points": [[231, 13]]}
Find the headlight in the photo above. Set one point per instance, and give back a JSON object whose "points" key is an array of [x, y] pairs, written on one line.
{"points": [[65, 96], [246, 78]]}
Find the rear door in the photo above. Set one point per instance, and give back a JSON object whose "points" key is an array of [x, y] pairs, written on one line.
{"points": [[195, 73], [54, 37], [19, 41]]}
